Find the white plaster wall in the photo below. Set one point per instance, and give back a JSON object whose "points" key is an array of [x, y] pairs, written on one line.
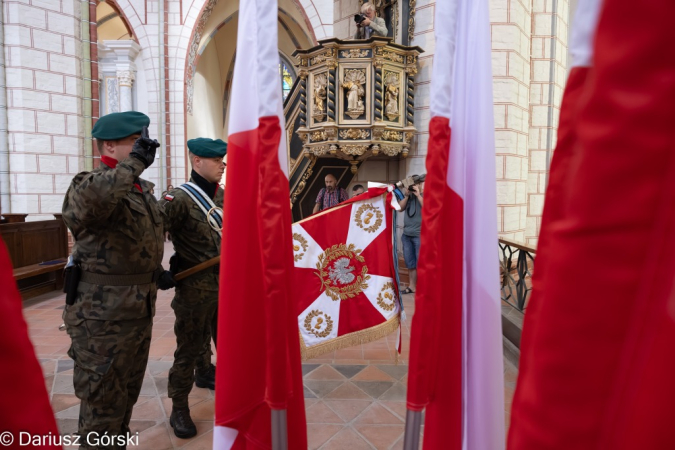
{"points": [[141, 85], [208, 115]]}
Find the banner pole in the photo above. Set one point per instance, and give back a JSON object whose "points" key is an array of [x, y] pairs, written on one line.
{"points": [[279, 430], [413, 424]]}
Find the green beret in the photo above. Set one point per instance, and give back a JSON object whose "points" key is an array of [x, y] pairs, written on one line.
{"points": [[119, 125], [207, 148]]}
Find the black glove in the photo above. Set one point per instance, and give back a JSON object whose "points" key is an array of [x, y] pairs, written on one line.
{"points": [[174, 263], [166, 281], [145, 148]]}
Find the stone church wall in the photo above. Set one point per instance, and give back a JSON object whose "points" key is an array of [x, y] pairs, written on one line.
{"points": [[45, 93], [43, 57], [521, 59]]}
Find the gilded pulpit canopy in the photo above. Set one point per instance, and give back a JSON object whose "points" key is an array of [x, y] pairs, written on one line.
{"points": [[354, 100]]}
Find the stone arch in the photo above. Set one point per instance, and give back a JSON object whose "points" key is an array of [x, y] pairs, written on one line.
{"points": [[122, 16], [292, 17], [230, 73], [137, 20], [133, 19], [196, 37], [315, 17]]}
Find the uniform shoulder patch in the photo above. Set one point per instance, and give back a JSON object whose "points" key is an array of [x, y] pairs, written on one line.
{"points": [[168, 197]]}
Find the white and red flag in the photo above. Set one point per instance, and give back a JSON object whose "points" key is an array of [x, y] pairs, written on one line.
{"points": [[258, 347], [456, 363], [344, 282], [597, 361], [529, 405]]}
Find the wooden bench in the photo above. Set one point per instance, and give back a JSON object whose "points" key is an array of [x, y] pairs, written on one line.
{"points": [[39, 252]]}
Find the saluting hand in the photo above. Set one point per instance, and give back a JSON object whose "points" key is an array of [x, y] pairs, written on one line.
{"points": [[145, 148]]}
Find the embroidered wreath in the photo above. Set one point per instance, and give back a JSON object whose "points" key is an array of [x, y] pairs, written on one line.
{"points": [[296, 248], [387, 294], [333, 269], [314, 329], [370, 212]]}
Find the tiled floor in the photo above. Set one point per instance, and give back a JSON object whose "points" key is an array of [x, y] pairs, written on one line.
{"points": [[355, 397]]}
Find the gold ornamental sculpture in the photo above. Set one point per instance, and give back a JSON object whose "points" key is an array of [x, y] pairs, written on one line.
{"points": [[357, 100]]}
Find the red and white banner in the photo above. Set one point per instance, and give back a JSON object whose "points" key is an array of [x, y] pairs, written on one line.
{"points": [[456, 362], [596, 354], [344, 282], [24, 402], [258, 348]]}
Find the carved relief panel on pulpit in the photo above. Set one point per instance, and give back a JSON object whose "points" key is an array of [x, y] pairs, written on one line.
{"points": [[354, 86], [392, 107], [319, 86]]}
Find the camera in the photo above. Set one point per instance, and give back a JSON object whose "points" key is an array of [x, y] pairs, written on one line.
{"points": [[358, 18], [411, 181]]}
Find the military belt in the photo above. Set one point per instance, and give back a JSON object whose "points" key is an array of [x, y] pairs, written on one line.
{"points": [[118, 280]]}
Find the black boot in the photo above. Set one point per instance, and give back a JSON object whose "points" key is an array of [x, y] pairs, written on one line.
{"points": [[206, 378], [182, 424]]}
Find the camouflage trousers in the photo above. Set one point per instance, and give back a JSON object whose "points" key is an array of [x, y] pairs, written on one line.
{"points": [[196, 316], [110, 360]]}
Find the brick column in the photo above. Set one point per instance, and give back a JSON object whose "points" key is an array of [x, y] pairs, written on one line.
{"points": [[44, 101], [548, 81], [5, 204], [511, 26]]}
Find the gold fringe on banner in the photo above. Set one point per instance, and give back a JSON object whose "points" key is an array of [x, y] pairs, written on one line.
{"points": [[349, 340]]}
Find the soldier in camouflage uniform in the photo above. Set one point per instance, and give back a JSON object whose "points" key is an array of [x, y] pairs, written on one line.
{"points": [[196, 300], [118, 231]]}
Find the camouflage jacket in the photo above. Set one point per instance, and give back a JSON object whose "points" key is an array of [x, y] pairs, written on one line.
{"points": [[117, 230], [193, 238]]}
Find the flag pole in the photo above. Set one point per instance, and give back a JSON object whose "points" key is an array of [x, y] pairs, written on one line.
{"points": [[279, 430], [413, 424]]}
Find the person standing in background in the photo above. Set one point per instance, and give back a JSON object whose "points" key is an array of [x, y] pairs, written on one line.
{"points": [[329, 196], [411, 207]]}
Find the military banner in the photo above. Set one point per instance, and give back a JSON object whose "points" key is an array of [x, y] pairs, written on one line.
{"points": [[344, 281]]}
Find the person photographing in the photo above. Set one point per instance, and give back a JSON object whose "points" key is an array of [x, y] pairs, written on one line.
{"points": [[368, 24], [411, 206]]}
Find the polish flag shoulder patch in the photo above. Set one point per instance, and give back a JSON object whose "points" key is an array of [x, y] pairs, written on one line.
{"points": [[168, 197]]}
